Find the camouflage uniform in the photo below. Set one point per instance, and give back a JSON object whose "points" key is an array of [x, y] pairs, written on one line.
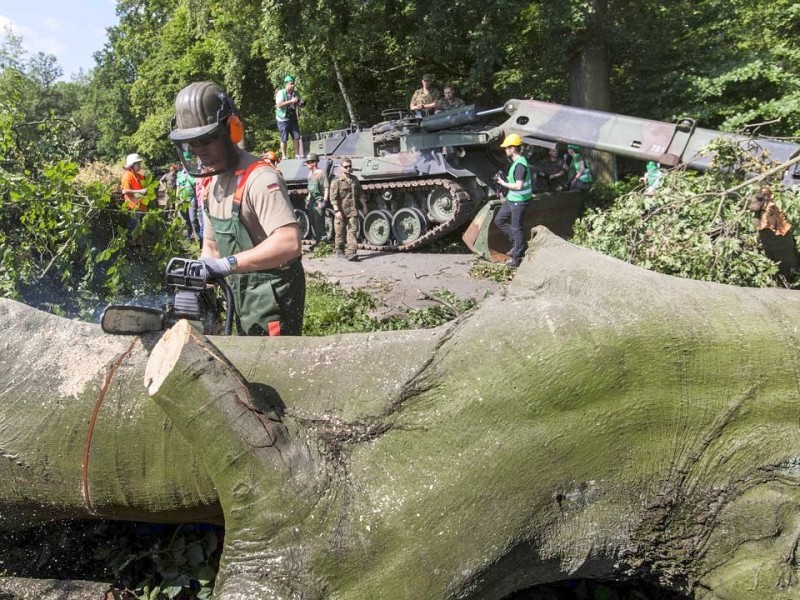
{"points": [[445, 104], [345, 195], [422, 97]]}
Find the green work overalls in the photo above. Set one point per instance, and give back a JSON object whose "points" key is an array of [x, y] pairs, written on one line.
{"points": [[266, 302]]}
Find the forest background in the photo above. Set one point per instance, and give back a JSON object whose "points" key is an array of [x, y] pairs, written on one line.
{"points": [[726, 63]]}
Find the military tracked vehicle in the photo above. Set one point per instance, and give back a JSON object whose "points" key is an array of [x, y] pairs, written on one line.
{"points": [[425, 176], [422, 177]]}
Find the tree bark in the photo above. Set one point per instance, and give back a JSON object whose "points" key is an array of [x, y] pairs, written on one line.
{"points": [[590, 80], [79, 436], [345, 96], [596, 420]]}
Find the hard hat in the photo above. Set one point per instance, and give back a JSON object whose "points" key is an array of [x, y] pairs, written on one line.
{"points": [[200, 108], [132, 159], [288, 79], [271, 157], [512, 139], [574, 147], [312, 157]]}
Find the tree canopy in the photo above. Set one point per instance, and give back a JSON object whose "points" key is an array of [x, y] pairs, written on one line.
{"points": [[728, 64]]}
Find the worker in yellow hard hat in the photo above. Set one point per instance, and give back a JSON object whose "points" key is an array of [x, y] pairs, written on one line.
{"points": [[518, 184]]}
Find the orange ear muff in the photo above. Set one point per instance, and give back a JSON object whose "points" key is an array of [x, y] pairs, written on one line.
{"points": [[236, 129]]}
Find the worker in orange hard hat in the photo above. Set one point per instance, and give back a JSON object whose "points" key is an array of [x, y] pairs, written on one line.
{"points": [[271, 159]]}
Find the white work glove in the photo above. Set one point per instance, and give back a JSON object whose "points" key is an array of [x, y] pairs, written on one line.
{"points": [[218, 268]]}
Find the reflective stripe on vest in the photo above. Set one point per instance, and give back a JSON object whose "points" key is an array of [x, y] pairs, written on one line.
{"points": [[526, 193]]}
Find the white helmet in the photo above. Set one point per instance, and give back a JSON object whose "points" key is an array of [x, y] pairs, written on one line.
{"points": [[132, 159]]}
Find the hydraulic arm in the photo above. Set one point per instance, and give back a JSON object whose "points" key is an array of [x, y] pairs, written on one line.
{"points": [[670, 144]]}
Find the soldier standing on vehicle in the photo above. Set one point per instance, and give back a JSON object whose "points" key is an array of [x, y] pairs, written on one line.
{"points": [[251, 234], [449, 100], [287, 114], [345, 194], [518, 182], [317, 200], [425, 98]]}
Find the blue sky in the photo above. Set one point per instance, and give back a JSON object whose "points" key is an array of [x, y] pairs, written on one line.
{"points": [[72, 30]]}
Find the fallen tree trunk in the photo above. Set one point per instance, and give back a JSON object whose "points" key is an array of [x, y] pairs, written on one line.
{"points": [[597, 420], [79, 435]]}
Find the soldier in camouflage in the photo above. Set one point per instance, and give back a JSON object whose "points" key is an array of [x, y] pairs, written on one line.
{"points": [[345, 195], [449, 99], [425, 98]]}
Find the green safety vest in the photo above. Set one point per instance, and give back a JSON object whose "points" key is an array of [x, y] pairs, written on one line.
{"points": [[282, 113], [586, 176], [526, 193], [185, 186]]}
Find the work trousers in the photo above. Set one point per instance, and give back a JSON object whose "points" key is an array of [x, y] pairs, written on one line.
{"points": [[509, 220], [346, 224]]}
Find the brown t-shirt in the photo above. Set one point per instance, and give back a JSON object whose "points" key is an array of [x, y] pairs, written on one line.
{"points": [[265, 203]]}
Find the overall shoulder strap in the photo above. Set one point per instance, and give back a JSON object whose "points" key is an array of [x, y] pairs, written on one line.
{"points": [[243, 174]]}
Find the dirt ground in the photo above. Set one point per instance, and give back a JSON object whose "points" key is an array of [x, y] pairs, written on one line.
{"points": [[400, 280]]}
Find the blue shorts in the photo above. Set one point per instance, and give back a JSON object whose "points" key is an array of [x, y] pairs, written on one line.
{"points": [[287, 127]]}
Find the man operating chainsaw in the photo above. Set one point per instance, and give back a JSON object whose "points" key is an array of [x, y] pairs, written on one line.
{"points": [[251, 236]]}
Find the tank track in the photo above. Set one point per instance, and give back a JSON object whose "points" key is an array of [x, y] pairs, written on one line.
{"points": [[462, 210]]}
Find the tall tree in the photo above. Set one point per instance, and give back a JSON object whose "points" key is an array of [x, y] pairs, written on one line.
{"points": [[355, 58]]}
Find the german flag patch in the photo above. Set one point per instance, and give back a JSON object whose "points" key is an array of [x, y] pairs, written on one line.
{"points": [[273, 186]]}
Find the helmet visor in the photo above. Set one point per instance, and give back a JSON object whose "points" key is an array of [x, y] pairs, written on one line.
{"points": [[194, 134], [189, 159], [200, 162]]}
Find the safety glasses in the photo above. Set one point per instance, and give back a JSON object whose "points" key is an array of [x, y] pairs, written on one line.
{"points": [[204, 140]]}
